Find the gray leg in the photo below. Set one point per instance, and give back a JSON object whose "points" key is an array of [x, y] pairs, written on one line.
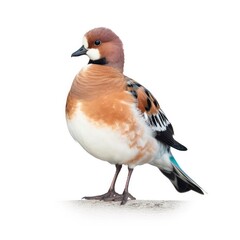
{"points": [[111, 195], [126, 195]]}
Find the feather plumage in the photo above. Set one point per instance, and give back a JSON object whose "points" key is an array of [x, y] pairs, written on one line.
{"points": [[153, 114], [180, 180]]}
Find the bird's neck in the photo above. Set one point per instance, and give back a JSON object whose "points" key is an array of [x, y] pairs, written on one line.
{"points": [[118, 64], [101, 61]]}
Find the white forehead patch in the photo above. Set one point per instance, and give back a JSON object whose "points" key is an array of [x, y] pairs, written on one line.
{"points": [[93, 54], [85, 42]]}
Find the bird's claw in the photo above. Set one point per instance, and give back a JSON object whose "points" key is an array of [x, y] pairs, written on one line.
{"points": [[111, 195]]}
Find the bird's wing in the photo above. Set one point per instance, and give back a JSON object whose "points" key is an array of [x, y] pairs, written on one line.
{"points": [[153, 114]]}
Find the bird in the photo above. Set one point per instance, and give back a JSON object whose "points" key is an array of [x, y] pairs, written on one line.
{"points": [[116, 119]]}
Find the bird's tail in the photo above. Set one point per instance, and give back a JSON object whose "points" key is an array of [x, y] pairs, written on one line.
{"points": [[181, 181]]}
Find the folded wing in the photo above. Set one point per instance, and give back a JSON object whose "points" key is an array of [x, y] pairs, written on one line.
{"points": [[153, 114]]}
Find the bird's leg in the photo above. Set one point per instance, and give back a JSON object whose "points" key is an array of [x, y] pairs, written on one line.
{"points": [[111, 195], [126, 195]]}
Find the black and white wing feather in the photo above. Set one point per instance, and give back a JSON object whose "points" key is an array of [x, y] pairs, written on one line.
{"points": [[153, 114]]}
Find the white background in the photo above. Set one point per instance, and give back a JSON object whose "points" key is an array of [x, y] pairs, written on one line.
{"points": [[187, 53]]}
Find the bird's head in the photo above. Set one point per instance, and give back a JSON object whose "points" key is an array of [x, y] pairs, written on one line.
{"points": [[103, 47]]}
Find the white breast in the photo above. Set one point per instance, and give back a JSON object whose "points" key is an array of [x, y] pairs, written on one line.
{"points": [[109, 144]]}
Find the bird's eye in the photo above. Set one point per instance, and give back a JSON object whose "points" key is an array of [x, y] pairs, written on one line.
{"points": [[97, 42]]}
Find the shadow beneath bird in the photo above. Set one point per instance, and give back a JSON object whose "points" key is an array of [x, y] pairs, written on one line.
{"points": [[150, 206]]}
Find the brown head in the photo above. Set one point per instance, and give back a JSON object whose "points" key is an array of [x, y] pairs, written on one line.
{"points": [[103, 47]]}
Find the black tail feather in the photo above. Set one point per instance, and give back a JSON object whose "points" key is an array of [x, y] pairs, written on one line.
{"points": [[181, 181]]}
